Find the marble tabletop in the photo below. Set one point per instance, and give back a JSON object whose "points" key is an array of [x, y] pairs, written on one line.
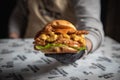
{"points": [[19, 61]]}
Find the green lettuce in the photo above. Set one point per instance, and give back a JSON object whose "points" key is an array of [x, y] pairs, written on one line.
{"points": [[56, 45]]}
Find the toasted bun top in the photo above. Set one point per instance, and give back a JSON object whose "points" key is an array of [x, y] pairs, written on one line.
{"points": [[59, 26], [62, 24]]}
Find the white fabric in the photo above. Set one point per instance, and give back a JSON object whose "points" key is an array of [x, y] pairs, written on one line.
{"points": [[19, 61]]}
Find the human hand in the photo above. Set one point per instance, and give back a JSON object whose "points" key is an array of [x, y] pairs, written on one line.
{"points": [[88, 45], [14, 35]]}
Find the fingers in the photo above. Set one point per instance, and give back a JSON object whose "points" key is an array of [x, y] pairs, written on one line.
{"points": [[14, 35], [89, 44]]}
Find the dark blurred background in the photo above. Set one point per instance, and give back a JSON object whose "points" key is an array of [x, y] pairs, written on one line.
{"points": [[110, 17], [6, 8]]}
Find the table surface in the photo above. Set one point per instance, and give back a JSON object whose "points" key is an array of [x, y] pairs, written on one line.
{"points": [[19, 61]]}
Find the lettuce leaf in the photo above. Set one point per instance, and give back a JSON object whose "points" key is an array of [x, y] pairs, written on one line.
{"points": [[49, 46], [57, 45]]}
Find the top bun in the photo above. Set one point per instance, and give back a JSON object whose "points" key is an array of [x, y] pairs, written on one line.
{"points": [[62, 24], [59, 26]]}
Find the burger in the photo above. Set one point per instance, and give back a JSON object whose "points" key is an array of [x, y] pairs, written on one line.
{"points": [[60, 38]]}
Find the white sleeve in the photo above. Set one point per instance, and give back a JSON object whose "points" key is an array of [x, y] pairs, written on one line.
{"points": [[88, 18]]}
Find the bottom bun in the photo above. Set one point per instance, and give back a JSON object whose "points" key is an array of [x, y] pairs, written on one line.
{"points": [[59, 50]]}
